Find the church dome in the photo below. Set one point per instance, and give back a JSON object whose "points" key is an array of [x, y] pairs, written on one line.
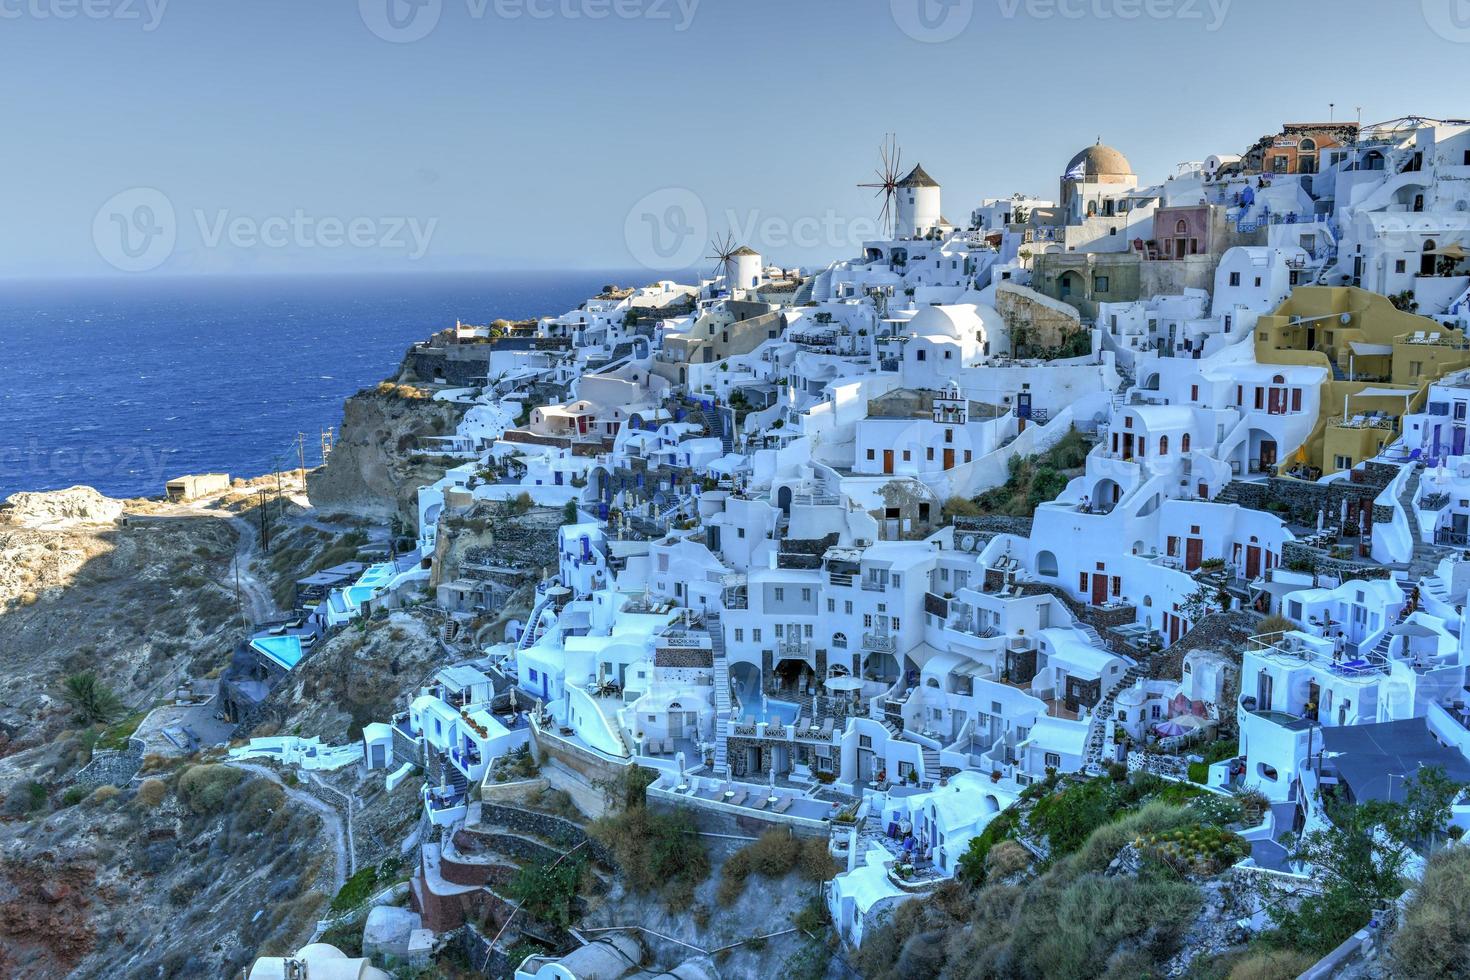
{"points": [[1099, 160]]}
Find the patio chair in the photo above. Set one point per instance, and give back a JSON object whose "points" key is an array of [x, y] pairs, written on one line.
{"points": [[750, 721], [826, 728], [784, 804], [650, 746], [799, 724]]}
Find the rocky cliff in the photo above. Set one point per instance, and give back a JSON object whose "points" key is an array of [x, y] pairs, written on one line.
{"points": [[380, 459]]}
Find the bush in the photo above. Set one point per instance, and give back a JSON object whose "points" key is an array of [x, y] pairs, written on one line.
{"points": [[1005, 859], [817, 863], [1199, 772], [103, 794], [151, 792], [774, 853], [204, 788], [657, 852], [548, 893], [73, 795], [1434, 939], [1279, 964]]}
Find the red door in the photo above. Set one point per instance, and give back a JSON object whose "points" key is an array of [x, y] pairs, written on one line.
{"points": [[888, 461], [1099, 589], [949, 459], [1193, 553], [1252, 561]]}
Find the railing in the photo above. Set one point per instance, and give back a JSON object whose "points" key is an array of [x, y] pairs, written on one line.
{"points": [[880, 642], [1362, 422]]}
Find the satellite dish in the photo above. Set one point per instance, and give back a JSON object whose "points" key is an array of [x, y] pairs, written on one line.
{"points": [[1345, 319], [967, 543]]}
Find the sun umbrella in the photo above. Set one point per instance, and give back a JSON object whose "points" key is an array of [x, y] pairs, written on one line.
{"points": [[1169, 728], [844, 683]]}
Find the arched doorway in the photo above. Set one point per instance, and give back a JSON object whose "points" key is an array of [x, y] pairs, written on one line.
{"points": [[783, 500], [1426, 260], [1046, 564], [1070, 284], [1105, 496]]}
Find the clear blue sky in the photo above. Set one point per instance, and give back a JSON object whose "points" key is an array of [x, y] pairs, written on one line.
{"points": [[520, 141]]}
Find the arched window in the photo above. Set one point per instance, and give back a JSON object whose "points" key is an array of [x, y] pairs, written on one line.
{"points": [[839, 641], [1180, 227], [1308, 144], [1184, 443], [1163, 445]]}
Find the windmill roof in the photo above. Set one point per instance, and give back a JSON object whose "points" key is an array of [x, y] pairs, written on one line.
{"points": [[918, 178], [745, 250]]}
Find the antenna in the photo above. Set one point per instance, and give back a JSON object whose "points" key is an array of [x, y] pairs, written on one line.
{"points": [[888, 175], [724, 249]]}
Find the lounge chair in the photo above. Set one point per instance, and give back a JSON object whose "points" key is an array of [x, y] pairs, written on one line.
{"points": [[737, 799], [650, 747], [669, 747], [799, 724], [750, 721], [826, 728], [760, 803], [814, 727], [784, 804]]}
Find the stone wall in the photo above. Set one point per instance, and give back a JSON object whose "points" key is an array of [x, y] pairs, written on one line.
{"points": [[558, 830], [113, 767], [1041, 320], [994, 524]]}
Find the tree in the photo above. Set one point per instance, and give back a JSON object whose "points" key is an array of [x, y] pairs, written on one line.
{"points": [[569, 512], [93, 701]]}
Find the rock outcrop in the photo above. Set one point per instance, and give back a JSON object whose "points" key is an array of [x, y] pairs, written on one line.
{"points": [[58, 510], [380, 459]]}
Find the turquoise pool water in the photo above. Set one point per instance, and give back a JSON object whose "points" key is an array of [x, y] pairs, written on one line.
{"points": [[782, 711], [284, 650]]}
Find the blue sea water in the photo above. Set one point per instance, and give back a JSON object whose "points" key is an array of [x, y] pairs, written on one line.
{"points": [[122, 384]]}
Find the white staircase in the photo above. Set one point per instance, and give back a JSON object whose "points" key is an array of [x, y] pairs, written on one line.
{"points": [[1102, 716], [722, 691], [932, 769], [533, 622]]}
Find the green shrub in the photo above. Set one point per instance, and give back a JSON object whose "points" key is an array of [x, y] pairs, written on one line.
{"points": [[1199, 772], [73, 795], [548, 893], [1434, 938], [92, 700], [204, 788], [774, 853], [656, 851], [816, 862]]}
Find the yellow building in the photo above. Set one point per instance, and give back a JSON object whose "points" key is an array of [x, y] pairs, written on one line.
{"points": [[1381, 360]]}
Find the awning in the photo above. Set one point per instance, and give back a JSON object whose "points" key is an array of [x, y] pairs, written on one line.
{"points": [[1454, 250], [1370, 350], [1384, 393]]}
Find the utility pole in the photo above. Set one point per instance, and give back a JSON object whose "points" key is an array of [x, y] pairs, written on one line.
{"points": [[301, 454], [265, 537]]}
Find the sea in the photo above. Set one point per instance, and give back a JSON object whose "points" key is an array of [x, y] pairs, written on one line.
{"points": [[122, 384]]}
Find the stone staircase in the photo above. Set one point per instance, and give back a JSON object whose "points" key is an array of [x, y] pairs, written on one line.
{"points": [[722, 691], [1425, 557], [1102, 716]]}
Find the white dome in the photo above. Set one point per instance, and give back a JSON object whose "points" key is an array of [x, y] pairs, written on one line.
{"points": [[952, 322]]}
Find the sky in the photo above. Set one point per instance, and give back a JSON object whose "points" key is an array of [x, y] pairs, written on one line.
{"points": [[184, 137]]}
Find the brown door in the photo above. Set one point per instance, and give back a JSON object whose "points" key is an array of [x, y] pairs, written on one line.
{"points": [[1252, 561], [949, 459], [1127, 445], [1099, 589], [888, 461], [1193, 552], [1268, 453]]}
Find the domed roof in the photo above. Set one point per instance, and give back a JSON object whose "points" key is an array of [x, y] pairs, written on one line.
{"points": [[918, 177], [1099, 160], [951, 322]]}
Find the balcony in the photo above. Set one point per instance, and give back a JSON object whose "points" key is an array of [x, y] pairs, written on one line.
{"points": [[875, 585], [880, 642]]}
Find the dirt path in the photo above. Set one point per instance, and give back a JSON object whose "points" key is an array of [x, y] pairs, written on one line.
{"points": [[332, 819]]}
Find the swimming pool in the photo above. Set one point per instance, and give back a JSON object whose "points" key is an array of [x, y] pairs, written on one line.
{"points": [[284, 650], [773, 710]]}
